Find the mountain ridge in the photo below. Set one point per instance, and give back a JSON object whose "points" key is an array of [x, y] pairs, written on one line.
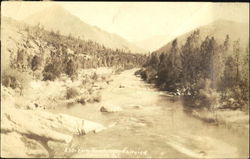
{"points": [[71, 24], [219, 29]]}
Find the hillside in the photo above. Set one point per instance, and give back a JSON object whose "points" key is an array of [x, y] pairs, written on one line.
{"points": [[25, 98], [43, 70], [219, 29], [21, 43], [208, 68], [70, 24]]}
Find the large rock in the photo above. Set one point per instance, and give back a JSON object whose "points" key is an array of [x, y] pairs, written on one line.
{"points": [[41, 127], [110, 108], [58, 127], [16, 145]]}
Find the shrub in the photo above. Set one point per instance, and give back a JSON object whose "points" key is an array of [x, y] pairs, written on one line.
{"points": [[150, 74], [103, 77], [35, 63], [108, 82], [74, 77], [138, 72], [71, 93], [232, 98], [20, 56], [143, 75], [51, 71], [90, 90], [94, 76], [15, 79], [97, 98], [207, 97], [118, 70], [82, 100], [70, 68], [85, 80]]}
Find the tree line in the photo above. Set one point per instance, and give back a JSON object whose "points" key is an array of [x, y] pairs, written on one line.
{"points": [[209, 73], [67, 54]]}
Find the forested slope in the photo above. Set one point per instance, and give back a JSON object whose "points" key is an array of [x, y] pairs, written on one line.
{"points": [[49, 54], [208, 72]]}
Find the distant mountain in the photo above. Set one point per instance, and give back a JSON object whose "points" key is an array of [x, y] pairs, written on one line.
{"points": [[57, 18], [219, 29], [154, 42]]}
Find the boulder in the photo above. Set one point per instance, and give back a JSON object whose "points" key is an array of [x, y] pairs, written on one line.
{"points": [[121, 86], [78, 126], [110, 109], [39, 126], [135, 106], [17, 145], [58, 127]]}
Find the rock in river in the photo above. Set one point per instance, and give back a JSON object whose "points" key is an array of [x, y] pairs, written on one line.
{"points": [[110, 108]]}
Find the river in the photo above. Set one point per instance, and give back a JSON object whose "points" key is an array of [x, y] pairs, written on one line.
{"points": [[152, 124]]}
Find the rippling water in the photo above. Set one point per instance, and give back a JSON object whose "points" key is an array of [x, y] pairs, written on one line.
{"points": [[158, 128]]}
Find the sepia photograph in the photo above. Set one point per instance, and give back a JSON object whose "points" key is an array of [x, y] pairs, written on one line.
{"points": [[124, 79]]}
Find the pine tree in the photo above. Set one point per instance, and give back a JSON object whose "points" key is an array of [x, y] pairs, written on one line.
{"points": [[35, 63], [70, 68], [236, 52]]}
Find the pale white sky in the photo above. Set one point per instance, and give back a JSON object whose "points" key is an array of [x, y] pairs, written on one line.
{"points": [[139, 20]]}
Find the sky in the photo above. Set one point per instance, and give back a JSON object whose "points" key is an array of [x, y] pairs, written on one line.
{"points": [[136, 21]]}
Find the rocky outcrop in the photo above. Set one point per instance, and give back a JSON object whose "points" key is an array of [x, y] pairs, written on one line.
{"points": [[17, 145], [31, 130]]}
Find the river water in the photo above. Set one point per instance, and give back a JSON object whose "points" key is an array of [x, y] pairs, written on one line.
{"points": [[152, 124]]}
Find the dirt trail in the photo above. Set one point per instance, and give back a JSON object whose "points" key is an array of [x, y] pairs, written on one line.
{"points": [[152, 124]]}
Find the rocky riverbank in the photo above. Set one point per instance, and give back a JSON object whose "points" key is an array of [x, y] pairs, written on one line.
{"points": [[30, 129], [114, 127]]}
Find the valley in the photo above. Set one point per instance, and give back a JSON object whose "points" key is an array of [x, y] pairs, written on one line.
{"points": [[73, 90]]}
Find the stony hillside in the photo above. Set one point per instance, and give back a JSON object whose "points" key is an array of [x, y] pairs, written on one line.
{"points": [[21, 43], [14, 38]]}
